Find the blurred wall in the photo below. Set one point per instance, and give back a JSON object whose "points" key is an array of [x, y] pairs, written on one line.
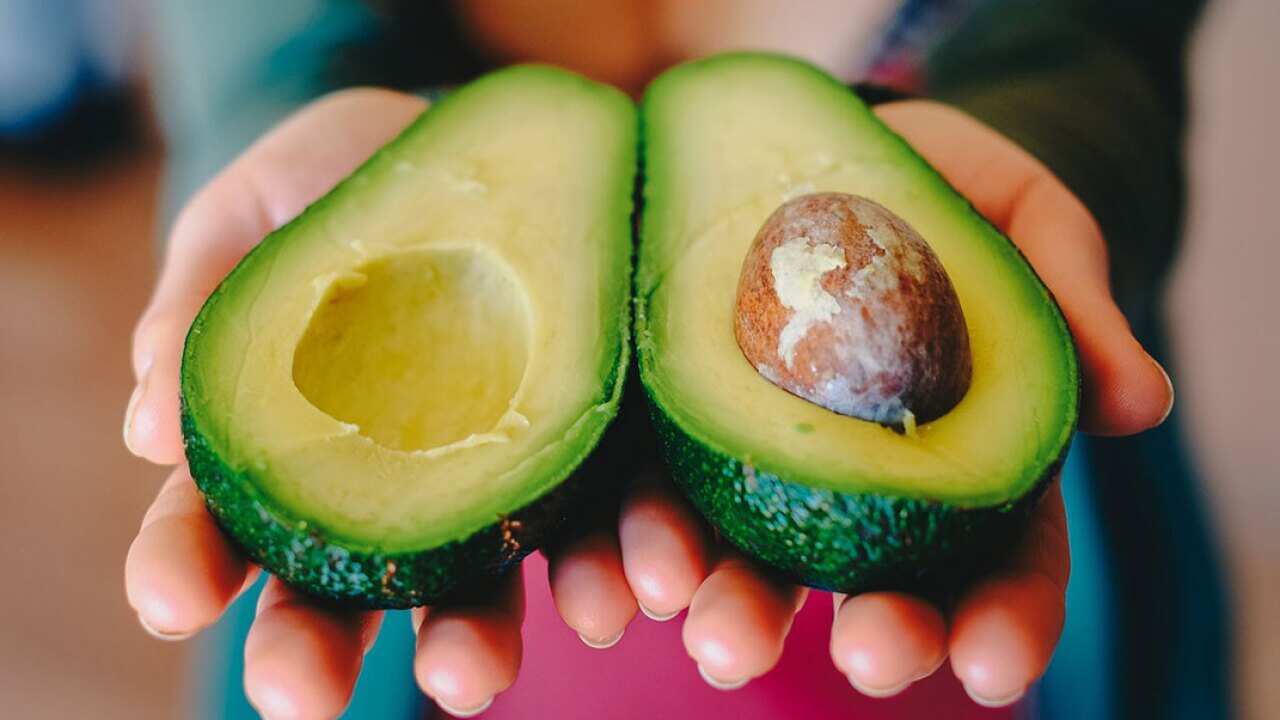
{"points": [[1223, 307]]}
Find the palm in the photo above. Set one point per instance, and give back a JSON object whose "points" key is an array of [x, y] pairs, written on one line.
{"points": [[302, 659]]}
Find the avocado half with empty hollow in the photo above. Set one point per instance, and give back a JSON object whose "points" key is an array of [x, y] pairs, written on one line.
{"points": [[386, 398], [876, 501]]}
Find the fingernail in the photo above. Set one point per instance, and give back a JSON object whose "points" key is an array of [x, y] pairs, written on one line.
{"points": [[273, 704], [655, 616], [1169, 384], [801, 598], [994, 702], [721, 684], [601, 644], [129, 411], [465, 713], [874, 692], [159, 635], [937, 665], [260, 604]]}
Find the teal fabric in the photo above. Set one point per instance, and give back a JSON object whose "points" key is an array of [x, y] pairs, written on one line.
{"points": [[1081, 679], [226, 71], [1173, 644], [1148, 624], [386, 689]]}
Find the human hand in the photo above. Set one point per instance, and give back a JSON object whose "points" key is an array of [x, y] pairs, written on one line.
{"points": [[302, 657], [1001, 632]]}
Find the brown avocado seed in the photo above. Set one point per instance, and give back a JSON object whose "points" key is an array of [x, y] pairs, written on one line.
{"points": [[842, 303]]}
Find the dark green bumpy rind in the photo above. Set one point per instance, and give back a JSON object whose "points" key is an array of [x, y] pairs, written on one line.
{"points": [[847, 542], [304, 558]]}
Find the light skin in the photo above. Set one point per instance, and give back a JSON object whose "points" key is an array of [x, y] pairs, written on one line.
{"points": [[302, 659]]}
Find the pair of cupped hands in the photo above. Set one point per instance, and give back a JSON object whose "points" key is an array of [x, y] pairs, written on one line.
{"points": [[302, 657]]}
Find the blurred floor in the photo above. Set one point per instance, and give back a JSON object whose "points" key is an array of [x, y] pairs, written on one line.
{"points": [[76, 263]]}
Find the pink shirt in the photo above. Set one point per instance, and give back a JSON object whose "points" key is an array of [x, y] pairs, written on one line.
{"points": [[649, 675]]}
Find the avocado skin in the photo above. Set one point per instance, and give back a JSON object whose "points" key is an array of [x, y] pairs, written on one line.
{"points": [[844, 542], [461, 570], [303, 557]]}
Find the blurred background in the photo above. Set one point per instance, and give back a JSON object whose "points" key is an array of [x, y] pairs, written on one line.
{"points": [[81, 167]]}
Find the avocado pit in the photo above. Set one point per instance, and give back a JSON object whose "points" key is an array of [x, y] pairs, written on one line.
{"points": [[841, 302]]}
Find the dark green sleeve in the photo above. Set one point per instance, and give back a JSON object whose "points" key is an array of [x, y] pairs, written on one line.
{"points": [[1095, 90]]}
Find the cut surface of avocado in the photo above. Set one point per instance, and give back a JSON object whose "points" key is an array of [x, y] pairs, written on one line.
{"points": [[832, 500], [385, 394]]}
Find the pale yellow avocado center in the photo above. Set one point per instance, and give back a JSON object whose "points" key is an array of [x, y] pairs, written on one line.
{"points": [[422, 351]]}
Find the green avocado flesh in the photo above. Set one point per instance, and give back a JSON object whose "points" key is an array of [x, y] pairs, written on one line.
{"points": [[829, 500], [387, 397]]}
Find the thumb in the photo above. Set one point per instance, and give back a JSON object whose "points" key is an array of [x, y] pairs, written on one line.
{"points": [[271, 182], [1125, 390]]}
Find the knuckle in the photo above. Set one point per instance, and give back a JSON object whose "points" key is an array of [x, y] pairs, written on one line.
{"points": [[356, 96], [190, 219], [149, 329]]}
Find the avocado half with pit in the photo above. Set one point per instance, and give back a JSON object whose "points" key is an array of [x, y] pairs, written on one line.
{"points": [[387, 397], [829, 500]]}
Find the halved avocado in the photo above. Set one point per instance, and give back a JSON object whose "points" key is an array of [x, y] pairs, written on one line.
{"points": [[386, 398], [829, 500]]}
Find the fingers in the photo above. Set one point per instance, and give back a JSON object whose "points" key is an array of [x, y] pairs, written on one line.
{"points": [[657, 561], [1005, 628], [271, 182], [1126, 391], [590, 589], [738, 616], [181, 573], [665, 550], [301, 659], [884, 641], [468, 654], [737, 623]]}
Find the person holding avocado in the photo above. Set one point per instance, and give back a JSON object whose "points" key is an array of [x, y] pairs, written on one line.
{"points": [[1063, 129]]}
